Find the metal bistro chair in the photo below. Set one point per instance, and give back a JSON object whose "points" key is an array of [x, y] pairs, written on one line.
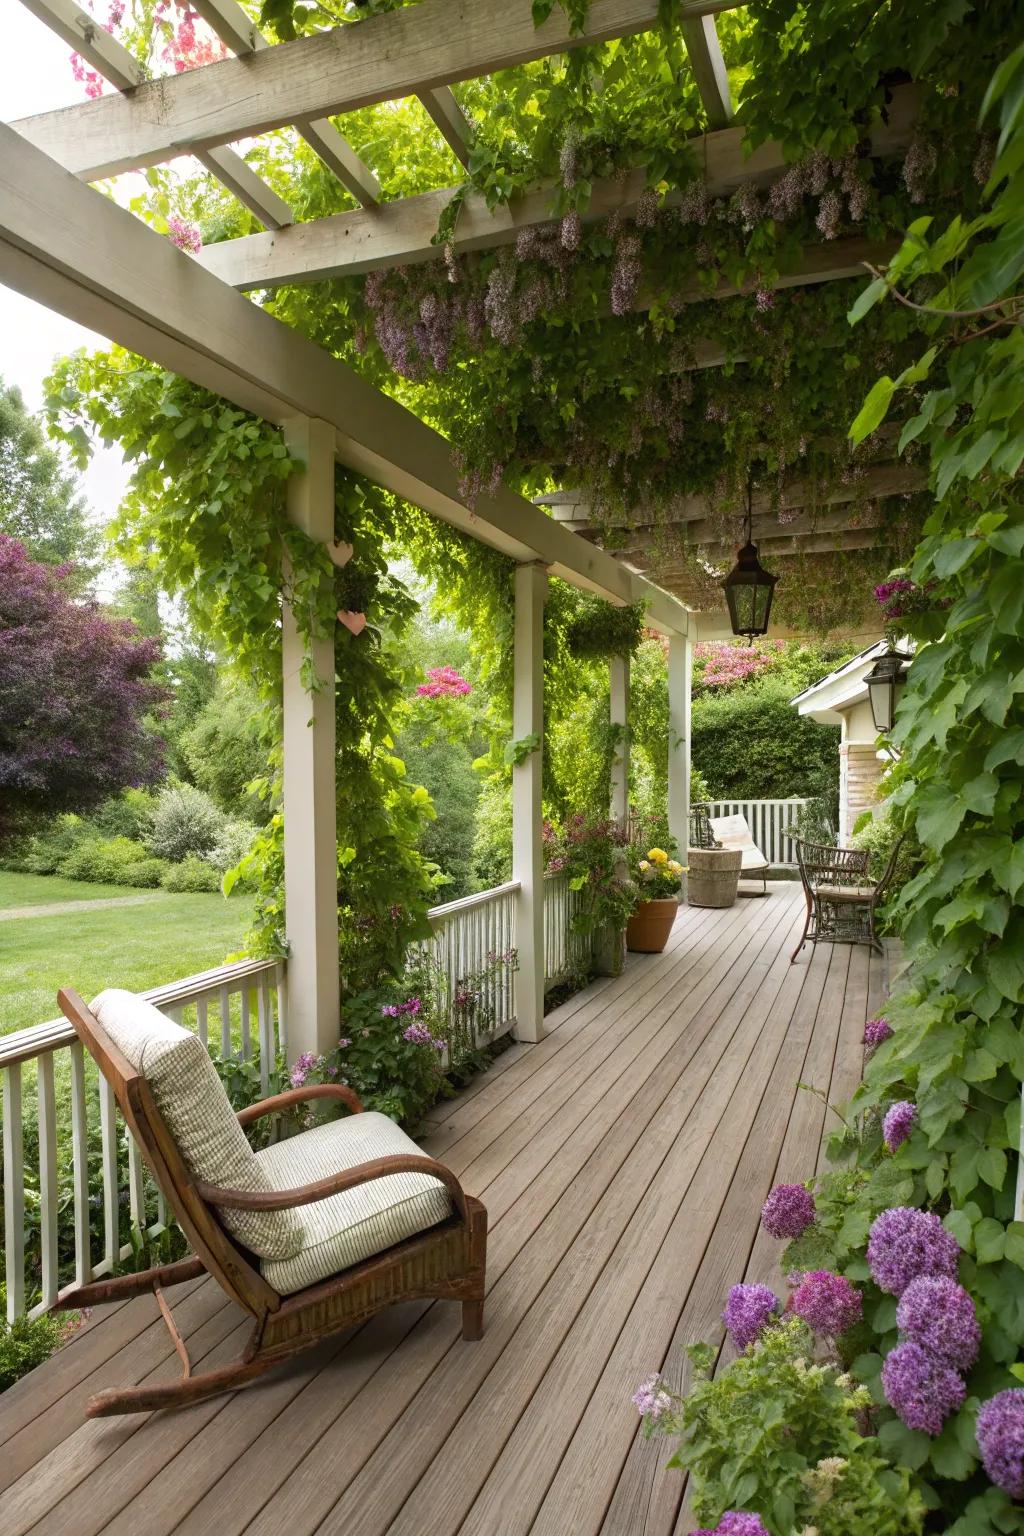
{"points": [[841, 896], [701, 835]]}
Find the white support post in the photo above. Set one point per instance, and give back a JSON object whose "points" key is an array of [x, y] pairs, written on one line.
{"points": [[618, 681], [310, 830], [527, 813], [680, 677]]}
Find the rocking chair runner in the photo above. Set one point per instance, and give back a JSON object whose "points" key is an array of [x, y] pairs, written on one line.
{"points": [[301, 1276], [841, 897]]}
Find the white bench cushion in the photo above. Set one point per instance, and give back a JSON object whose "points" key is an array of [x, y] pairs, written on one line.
{"points": [[733, 832], [344, 1229], [191, 1098]]}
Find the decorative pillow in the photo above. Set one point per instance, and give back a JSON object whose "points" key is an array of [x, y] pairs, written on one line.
{"points": [[191, 1098]]}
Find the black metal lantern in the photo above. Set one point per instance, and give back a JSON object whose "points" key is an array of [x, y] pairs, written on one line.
{"points": [[749, 588], [885, 681]]}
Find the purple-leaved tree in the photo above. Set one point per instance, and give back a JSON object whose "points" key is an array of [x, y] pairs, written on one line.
{"points": [[74, 693]]}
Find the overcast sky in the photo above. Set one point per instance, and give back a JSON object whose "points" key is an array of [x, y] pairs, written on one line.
{"points": [[35, 76]]}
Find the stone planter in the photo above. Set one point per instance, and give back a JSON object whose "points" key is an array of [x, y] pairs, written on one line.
{"points": [[609, 951], [650, 925], [714, 876]]}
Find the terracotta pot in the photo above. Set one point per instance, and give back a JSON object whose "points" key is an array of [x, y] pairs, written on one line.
{"points": [[649, 927]]}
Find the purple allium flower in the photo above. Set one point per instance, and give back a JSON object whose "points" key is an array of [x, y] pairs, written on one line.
{"points": [[788, 1211], [749, 1309], [1000, 1432], [923, 1389], [898, 1124], [651, 1399], [876, 1032], [828, 1303], [905, 1243], [938, 1314]]}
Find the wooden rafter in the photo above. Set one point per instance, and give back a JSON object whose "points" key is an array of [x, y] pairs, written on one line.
{"points": [[241, 35], [400, 53], [450, 120], [111, 59], [666, 537], [701, 38]]}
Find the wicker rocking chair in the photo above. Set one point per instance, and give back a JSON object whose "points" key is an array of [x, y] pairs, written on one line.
{"points": [[309, 1236], [841, 897]]}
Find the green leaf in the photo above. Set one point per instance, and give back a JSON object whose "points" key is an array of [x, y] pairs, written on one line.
{"points": [[867, 299], [989, 1240], [992, 1167], [959, 1223], [874, 410]]}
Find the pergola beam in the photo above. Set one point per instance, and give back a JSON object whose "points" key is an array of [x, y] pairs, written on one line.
{"points": [[450, 120], [400, 53], [402, 232], [69, 247], [701, 38]]}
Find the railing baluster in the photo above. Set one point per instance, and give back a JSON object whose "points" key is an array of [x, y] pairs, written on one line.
{"points": [[14, 1192], [202, 1029], [243, 999], [282, 1014], [136, 1185], [225, 1022], [80, 1165], [47, 1121], [109, 1175], [266, 1032]]}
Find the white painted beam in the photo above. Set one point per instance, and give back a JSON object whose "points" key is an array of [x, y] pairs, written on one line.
{"points": [[402, 232], [383, 58], [527, 809], [309, 799], [701, 38], [251, 190], [618, 713], [82, 32], [71, 248], [680, 691]]}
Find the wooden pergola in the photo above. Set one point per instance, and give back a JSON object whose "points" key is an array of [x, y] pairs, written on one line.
{"points": [[66, 245]]}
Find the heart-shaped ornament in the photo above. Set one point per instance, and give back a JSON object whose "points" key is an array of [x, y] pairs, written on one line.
{"points": [[355, 623], [340, 552]]}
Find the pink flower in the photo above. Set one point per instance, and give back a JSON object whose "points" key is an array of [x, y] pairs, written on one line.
{"points": [[444, 682]]}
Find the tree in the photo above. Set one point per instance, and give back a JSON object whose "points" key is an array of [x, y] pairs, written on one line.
{"points": [[39, 502], [75, 690]]}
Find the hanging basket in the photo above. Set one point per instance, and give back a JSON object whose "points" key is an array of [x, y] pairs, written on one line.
{"points": [[714, 876], [650, 925]]}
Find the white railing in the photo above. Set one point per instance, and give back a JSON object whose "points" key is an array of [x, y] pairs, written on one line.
{"points": [[565, 953], [465, 954], [239, 1005], [768, 821]]}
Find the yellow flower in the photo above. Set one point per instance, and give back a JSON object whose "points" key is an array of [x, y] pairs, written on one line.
{"points": [[644, 864], [675, 866], [658, 856]]}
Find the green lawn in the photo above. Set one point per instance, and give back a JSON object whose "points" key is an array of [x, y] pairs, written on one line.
{"points": [[40, 890], [136, 947]]}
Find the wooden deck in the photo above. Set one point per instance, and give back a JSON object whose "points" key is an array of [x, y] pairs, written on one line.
{"points": [[623, 1162]]}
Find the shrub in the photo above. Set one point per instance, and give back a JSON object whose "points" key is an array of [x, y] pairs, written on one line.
{"points": [[225, 749], [147, 872], [25, 1344], [185, 821], [750, 744], [235, 841], [105, 860], [41, 853], [879, 832], [191, 874], [128, 814]]}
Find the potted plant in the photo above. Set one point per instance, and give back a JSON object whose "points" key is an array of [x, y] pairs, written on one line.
{"points": [[659, 879], [592, 855]]}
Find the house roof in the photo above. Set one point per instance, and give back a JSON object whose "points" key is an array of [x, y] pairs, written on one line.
{"points": [[827, 700]]}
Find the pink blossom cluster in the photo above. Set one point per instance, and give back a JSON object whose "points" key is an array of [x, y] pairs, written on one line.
{"points": [[444, 682], [184, 235], [396, 1010], [892, 595], [185, 49], [725, 664]]}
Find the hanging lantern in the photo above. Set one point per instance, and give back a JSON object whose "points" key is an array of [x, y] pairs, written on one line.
{"points": [[749, 588], [886, 681]]}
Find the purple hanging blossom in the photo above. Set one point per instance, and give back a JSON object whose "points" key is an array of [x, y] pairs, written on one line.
{"points": [[626, 274], [647, 209], [830, 215], [786, 195], [937, 1313], [921, 1388], [919, 167], [876, 1032], [828, 1303], [899, 1122], [748, 1311], [651, 1399], [905, 1243], [788, 1211], [764, 299], [572, 230], [1000, 1432]]}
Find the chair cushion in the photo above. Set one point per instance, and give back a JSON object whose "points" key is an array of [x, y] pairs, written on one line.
{"points": [[733, 832], [191, 1098], [862, 893], [347, 1228]]}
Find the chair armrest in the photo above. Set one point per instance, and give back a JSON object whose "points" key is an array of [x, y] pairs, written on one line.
{"points": [[347, 1178], [283, 1101]]}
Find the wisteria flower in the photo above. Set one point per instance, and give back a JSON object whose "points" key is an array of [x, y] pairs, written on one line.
{"points": [[1000, 1432], [651, 1398], [921, 1388], [788, 1211], [749, 1310], [905, 1243], [876, 1032], [828, 1303], [938, 1314], [898, 1123]]}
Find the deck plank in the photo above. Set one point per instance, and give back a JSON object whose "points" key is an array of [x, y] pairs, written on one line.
{"points": [[623, 1160]]}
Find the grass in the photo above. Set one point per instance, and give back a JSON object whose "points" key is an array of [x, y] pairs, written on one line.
{"points": [[40, 890], [134, 947]]}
